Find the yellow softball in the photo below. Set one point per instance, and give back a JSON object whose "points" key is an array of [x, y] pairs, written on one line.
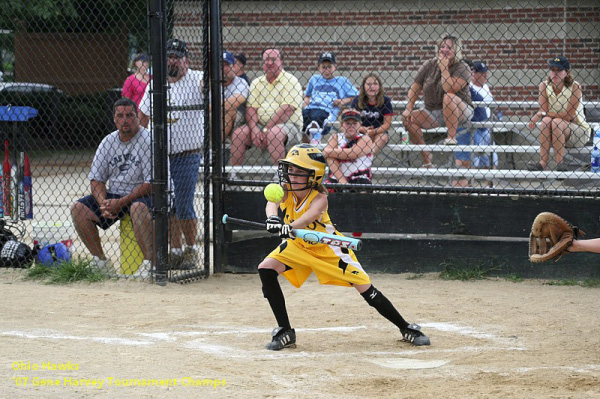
{"points": [[273, 192]]}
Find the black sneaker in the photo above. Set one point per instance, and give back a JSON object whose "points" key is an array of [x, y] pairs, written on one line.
{"points": [[412, 333], [282, 338]]}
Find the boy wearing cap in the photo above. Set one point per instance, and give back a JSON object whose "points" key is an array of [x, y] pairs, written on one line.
{"points": [[561, 119], [235, 93], [480, 91], [238, 67], [325, 95], [349, 153]]}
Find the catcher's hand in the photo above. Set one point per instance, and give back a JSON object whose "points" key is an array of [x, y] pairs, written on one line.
{"points": [[550, 237]]}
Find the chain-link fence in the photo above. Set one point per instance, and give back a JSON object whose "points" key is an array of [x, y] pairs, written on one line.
{"points": [[519, 118], [475, 97], [68, 63]]}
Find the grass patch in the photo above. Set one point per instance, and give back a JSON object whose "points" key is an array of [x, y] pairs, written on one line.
{"points": [[514, 277], [453, 270], [415, 276], [590, 283], [586, 283], [66, 272], [566, 282]]}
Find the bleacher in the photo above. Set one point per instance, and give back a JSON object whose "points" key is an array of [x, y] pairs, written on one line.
{"points": [[399, 161]]}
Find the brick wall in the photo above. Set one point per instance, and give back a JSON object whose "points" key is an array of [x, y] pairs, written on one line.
{"points": [[516, 42]]}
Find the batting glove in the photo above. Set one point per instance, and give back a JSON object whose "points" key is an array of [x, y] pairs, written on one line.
{"points": [[274, 224], [286, 231]]}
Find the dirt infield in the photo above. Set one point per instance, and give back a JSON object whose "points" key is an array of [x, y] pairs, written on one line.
{"points": [[490, 339]]}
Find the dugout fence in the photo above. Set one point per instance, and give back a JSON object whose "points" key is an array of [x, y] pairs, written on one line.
{"points": [[71, 63]]}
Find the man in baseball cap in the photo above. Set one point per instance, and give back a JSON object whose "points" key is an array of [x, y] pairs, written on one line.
{"points": [[177, 47], [185, 149]]}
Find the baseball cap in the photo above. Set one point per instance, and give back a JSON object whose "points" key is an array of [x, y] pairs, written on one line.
{"points": [[241, 57], [560, 62], [351, 113], [327, 56], [480, 67], [228, 57], [177, 47]]}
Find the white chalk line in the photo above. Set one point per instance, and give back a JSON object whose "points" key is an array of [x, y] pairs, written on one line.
{"points": [[49, 334]]}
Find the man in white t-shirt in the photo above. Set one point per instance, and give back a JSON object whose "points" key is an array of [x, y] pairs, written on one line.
{"points": [[120, 180], [185, 148], [235, 93]]}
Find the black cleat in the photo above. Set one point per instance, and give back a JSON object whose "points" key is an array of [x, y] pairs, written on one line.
{"points": [[412, 333], [282, 338]]}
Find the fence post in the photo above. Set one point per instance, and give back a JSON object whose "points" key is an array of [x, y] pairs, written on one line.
{"points": [[216, 134], [159, 118]]}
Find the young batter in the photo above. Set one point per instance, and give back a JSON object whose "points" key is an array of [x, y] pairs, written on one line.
{"points": [[304, 206]]}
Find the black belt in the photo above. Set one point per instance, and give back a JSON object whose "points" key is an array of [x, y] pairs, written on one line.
{"points": [[184, 153]]}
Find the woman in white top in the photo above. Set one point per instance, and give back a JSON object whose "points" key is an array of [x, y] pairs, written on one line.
{"points": [[561, 114]]}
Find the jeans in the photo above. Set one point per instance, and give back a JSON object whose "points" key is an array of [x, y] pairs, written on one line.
{"points": [[184, 174]]}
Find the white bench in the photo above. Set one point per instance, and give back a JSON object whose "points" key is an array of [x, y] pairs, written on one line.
{"points": [[483, 174]]}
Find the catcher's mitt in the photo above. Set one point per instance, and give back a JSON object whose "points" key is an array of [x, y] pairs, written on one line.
{"points": [[550, 237]]}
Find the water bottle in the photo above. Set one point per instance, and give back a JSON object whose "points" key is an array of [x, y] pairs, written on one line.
{"points": [[315, 136], [595, 164], [597, 138], [500, 115]]}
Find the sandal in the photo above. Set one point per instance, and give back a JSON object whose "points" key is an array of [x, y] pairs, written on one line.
{"points": [[449, 141], [562, 167], [535, 166], [428, 165]]}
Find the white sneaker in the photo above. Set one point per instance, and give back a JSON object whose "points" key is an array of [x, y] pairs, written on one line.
{"points": [[144, 270], [103, 265]]}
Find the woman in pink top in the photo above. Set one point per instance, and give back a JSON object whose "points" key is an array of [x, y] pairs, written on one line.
{"points": [[135, 85]]}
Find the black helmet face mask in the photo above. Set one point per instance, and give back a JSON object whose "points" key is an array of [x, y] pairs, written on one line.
{"points": [[284, 176]]}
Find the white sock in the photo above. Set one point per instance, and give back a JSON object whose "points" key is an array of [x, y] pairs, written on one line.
{"points": [[176, 251], [193, 247]]}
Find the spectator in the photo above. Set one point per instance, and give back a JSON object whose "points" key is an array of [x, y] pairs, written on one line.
{"points": [[235, 93], [185, 149], [238, 67], [480, 91], [376, 111], [123, 161], [273, 116], [325, 95], [563, 123], [349, 153], [444, 83], [135, 85]]}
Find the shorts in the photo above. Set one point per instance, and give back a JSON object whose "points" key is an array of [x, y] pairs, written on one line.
{"points": [[332, 265], [315, 114], [184, 174], [579, 137], [438, 117], [90, 202], [292, 132]]}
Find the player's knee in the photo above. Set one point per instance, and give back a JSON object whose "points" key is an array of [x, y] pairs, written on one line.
{"points": [[372, 296], [270, 285]]}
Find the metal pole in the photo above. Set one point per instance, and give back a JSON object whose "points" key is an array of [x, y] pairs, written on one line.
{"points": [[216, 132], [159, 128]]}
